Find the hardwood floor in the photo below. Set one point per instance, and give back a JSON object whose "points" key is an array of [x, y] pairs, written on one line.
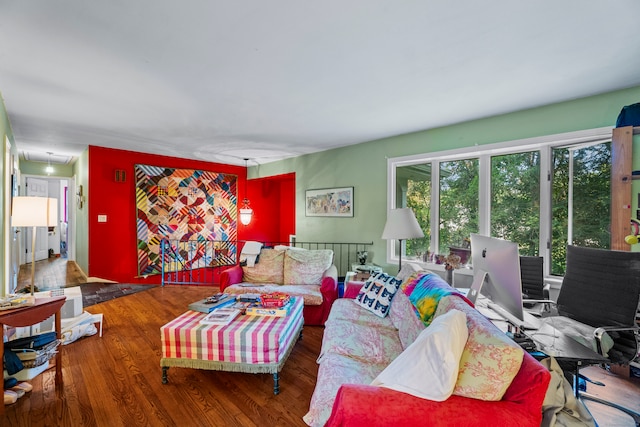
{"points": [[116, 380], [51, 272]]}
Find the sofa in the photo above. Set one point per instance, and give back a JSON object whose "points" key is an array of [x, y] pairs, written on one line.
{"points": [[471, 374], [309, 274]]}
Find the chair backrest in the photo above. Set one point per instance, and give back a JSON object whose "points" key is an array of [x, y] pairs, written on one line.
{"points": [[532, 275], [600, 287]]}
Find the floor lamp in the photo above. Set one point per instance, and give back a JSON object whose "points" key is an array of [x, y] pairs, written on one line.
{"points": [[34, 212], [401, 225]]}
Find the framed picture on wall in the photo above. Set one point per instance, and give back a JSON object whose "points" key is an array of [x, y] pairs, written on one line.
{"points": [[334, 202]]}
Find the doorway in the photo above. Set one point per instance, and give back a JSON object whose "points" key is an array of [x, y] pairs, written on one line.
{"points": [[56, 241]]}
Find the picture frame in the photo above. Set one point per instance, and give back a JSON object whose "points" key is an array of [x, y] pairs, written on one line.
{"points": [[329, 202]]}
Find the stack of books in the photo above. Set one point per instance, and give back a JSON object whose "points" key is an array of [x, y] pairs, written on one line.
{"points": [[257, 309], [220, 316], [249, 297], [213, 302]]}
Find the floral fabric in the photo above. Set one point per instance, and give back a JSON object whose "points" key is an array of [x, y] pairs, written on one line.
{"points": [[356, 347], [362, 337], [350, 312], [490, 360], [306, 267], [335, 370], [405, 319], [268, 269]]}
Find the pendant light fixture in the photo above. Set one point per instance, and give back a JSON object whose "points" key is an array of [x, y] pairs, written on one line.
{"points": [[245, 211], [49, 169]]}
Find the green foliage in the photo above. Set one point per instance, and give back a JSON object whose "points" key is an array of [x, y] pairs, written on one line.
{"points": [[419, 199], [515, 200], [591, 200], [459, 198]]}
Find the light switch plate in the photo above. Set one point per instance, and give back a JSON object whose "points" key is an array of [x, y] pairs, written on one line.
{"points": [[102, 218]]}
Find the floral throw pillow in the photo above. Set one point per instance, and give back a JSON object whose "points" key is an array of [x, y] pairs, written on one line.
{"points": [[490, 360], [268, 269], [306, 267], [377, 292]]}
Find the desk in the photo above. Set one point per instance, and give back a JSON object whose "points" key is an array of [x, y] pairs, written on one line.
{"points": [[564, 348], [569, 353], [27, 316]]}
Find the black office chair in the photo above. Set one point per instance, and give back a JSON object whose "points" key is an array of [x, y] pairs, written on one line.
{"points": [[532, 276], [601, 288], [535, 294]]}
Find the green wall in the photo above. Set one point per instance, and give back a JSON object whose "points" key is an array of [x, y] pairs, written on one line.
{"points": [[5, 184], [37, 168], [364, 166], [81, 241]]}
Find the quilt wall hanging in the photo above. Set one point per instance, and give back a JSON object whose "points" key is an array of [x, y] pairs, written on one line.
{"points": [[195, 210]]}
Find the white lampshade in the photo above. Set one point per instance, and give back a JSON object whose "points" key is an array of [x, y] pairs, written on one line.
{"points": [[30, 211], [34, 212], [401, 225]]}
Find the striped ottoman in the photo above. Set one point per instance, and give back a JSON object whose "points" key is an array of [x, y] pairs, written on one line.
{"points": [[251, 344]]}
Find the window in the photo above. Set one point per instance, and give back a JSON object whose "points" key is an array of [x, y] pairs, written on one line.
{"points": [[581, 200], [515, 200], [415, 192], [459, 200], [541, 193]]}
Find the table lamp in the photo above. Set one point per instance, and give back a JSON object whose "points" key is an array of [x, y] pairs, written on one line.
{"points": [[34, 212], [401, 225]]}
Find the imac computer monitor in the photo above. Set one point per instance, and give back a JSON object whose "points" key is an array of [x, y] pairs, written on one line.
{"points": [[499, 261]]}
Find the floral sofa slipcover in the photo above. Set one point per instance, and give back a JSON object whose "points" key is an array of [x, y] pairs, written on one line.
{"points": [[497, 383], [309, 274]]}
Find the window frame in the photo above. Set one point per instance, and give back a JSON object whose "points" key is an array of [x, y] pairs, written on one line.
{"points": [[543, 144]]}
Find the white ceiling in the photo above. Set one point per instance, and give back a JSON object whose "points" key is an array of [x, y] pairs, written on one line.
{"points": [[225, 80]]}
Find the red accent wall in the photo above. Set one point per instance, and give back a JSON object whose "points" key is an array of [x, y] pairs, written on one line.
{"points": [[112, 244], [273, 200]]}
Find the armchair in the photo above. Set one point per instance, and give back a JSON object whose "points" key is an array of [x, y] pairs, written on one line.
{"points": [[601, 288]]}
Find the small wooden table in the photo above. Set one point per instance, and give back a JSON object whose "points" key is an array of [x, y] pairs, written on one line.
{"points": [[31, 315], [250, 344]]}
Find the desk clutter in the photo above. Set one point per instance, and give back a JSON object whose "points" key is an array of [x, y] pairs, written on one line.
{"points": [[12, 301], [24, 355], [30, 352], [222, 308]]}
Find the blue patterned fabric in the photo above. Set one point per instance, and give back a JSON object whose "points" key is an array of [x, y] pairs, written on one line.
{"points": [[377, 292]]}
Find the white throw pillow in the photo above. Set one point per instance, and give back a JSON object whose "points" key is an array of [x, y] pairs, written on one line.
{"points": [[428, 368]]}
